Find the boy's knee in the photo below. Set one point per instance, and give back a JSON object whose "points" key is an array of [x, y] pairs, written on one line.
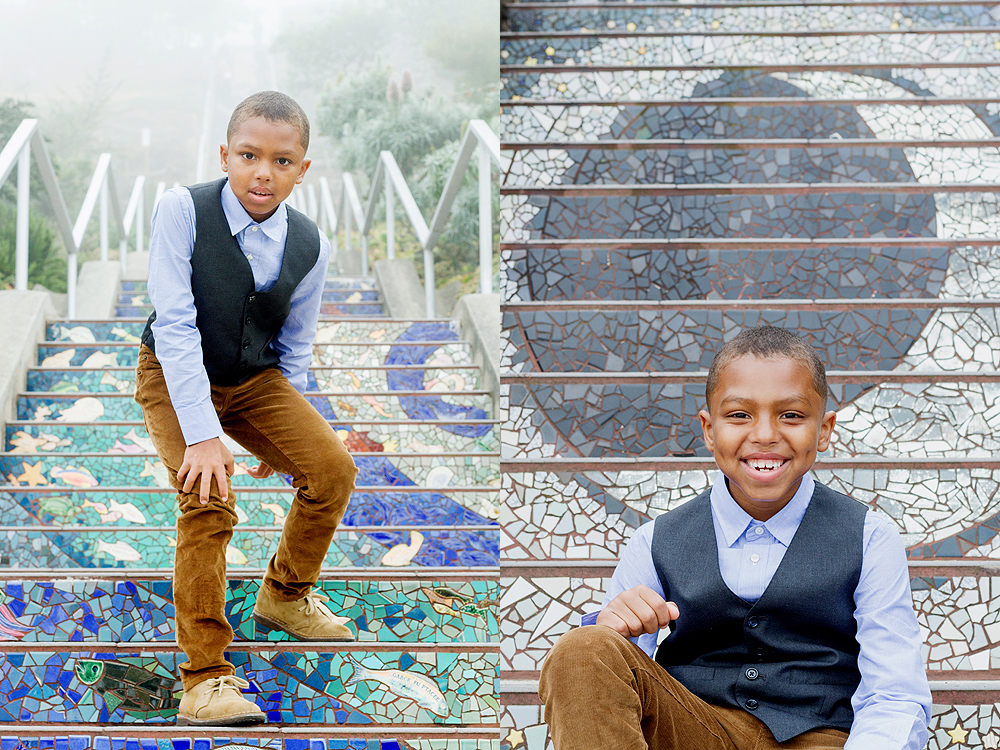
{"points": [[332, 474], [580, 650]]}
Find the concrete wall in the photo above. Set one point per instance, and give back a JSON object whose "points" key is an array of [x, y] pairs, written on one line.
{"points": [[479, 317], [23, 315], [97, 289], [402, 292]]}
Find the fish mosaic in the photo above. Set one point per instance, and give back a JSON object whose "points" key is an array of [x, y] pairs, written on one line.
{"points": [[417, 687]]}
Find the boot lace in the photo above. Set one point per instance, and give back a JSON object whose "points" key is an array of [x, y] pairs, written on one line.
{"points": [[312, 606], [216, 685]]}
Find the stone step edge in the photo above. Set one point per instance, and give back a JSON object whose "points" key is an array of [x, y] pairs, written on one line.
{"points": [[443, 573], [242, 529], [860, 377], [524, 692], [318, 394], [152, 490], [261, 733], [615, 464], [920, 568], [333, 422], [313, 368], [835, 304], [377, 454], [322, 647], [322, 318], [369, 344]]}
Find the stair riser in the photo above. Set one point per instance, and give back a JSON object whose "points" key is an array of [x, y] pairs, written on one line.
{"points": [[564, 509], [313, 685], [67, 611], [159, 737], [155, 549], [326, 354], [375, 470], [411, 437], [327, 331], [438, 379], [122, 407], [135, 507]]}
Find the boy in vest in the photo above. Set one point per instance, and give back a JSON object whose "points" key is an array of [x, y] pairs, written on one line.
{"points": [[777, 612], [236, 279]]}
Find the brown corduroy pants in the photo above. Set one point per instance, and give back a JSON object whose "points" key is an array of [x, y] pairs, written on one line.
{"points": [[602, 691], [273, 421]]}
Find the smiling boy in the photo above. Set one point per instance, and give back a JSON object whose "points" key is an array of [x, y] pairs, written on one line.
{"points": [[236, 279], [794, 630]]}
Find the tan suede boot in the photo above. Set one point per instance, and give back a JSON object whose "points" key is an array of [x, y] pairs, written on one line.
{"points": [[219, 702], [305, 619]]}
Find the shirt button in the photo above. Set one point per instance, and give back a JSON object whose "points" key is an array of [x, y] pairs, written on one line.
{"points": [[249, 256], [253, 229], [752, 704], [752, 674], [752, 622], [759, 530], [755, 558]]}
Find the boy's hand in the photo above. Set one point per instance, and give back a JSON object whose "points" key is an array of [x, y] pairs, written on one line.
{"points": [[637, 611], [208, 458], [262, 471]]}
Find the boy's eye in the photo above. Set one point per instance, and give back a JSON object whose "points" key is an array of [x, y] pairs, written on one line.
{"points": [[739, 415], [247, 156], [284, 162], [791, 415]]}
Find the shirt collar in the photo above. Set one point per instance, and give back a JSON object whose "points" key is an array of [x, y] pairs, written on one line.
{"points": [[239, 219], [732, 520]]}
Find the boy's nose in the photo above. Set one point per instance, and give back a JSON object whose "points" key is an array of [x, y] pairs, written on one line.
{"points": [[263, 171], [764, 431]]}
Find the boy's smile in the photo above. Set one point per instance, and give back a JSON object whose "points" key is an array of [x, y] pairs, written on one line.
{"points": [[264, 160], [764, 425]]}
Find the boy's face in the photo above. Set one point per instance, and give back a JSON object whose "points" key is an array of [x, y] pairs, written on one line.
{"points": [[264, 160], [765, 424]]}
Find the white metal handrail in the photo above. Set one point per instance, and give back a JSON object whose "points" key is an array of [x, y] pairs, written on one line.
{"points": [[27, 139], [389, 178]]}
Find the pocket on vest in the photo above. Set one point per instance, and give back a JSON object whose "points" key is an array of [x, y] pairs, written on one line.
{"points": [[820, 676]]}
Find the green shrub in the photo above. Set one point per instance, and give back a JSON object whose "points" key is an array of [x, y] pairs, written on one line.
{"points": [[46, 258]]}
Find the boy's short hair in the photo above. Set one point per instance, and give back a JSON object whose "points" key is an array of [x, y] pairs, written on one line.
{"points": [[273, 106], [764, 342]]}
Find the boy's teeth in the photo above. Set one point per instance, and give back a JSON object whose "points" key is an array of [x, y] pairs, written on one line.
{"points": [[764, 465]]}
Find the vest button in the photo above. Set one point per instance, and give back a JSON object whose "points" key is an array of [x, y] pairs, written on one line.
{"points": [[248, 321], [752, 674], [751, 704], [251, 298], [752, 622], [246, 344]]}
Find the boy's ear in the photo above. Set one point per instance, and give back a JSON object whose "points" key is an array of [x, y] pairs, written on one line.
{"points": [[826, 430], [224, 156], [302, 170], [706, 429]]}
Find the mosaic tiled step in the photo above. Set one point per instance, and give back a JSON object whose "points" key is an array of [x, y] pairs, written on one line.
{"points": [[637, 18], [327, 308], [122, 379], [37, 736], [131, 299], [122, 547], [328, 331], [419, 436], [119, 407], [942, 507], [449, 684], [340, 353], [255, 506], [422, 609], [374, 470]]}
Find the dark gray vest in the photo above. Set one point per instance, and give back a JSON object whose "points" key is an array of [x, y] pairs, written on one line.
{"points": [[791, 659], [237, 324]]}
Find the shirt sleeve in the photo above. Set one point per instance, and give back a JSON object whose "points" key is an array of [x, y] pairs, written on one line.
{"points": [[178, 341], [635, 568], [294, 341], [892, 702]]}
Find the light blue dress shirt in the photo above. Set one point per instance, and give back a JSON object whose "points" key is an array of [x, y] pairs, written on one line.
{"points": [[892, 702], [178, 341]]}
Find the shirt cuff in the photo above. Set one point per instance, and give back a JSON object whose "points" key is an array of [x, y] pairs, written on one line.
{"points": [[199, 422], [590, 618]]}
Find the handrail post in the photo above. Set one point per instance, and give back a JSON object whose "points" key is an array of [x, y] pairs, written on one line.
{"points": [[485, 222], [71, 286], [23, 201], [390, 220], [140, 210], [364, 255], [347, 221], [429, 284], [104, 220]]}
